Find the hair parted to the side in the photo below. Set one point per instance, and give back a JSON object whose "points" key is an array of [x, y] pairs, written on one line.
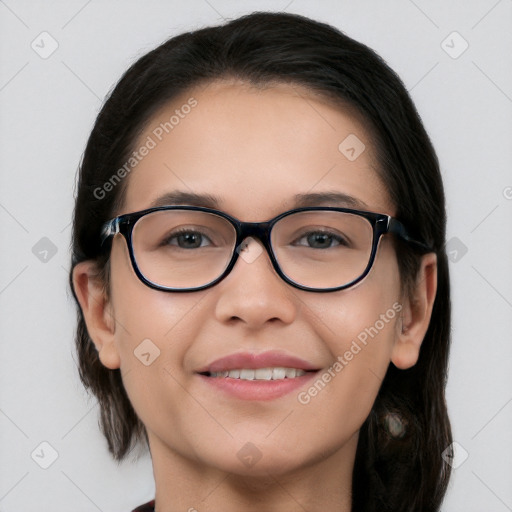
{"points": [[398, 465]]}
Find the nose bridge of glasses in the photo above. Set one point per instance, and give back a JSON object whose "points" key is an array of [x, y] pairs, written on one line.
{"points": [[257, 230]]}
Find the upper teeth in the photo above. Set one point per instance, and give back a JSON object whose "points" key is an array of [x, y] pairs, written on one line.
{"points": [[260, 373]]}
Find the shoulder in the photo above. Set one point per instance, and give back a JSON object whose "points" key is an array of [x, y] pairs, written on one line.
{"points": [[147, 507]]}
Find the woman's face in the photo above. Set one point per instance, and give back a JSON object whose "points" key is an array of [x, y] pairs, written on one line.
{"points": [[254, 150]]}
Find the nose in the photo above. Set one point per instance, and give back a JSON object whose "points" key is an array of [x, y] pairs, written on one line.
{"points": [[253, 293]]}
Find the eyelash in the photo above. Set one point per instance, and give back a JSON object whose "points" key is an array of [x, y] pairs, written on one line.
{"points": [[176, 234], [339, 239]]}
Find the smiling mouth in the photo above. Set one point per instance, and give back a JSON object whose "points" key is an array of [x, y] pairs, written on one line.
{"points": [[273, 373]]}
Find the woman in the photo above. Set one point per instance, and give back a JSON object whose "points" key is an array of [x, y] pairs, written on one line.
{"points": [[258, 260]]}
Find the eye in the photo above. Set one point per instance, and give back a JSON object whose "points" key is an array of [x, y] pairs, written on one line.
{"points": [[186, 239], [320, 239]]}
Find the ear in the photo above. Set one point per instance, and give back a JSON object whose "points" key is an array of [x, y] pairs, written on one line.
{"points": [[416, 314], [97, 312]]}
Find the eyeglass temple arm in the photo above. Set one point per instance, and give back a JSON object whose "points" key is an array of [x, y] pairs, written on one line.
{"points": [[396, 227]]}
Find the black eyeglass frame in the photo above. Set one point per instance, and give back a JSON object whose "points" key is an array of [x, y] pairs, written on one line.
{"points": [[381, 225]]}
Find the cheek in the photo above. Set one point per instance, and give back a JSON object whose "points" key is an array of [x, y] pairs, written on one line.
{"points": [[152, 333], [140, 311], [359, 327], [351, 314]]}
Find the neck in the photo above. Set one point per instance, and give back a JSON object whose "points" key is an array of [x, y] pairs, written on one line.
{"points": [[183, 484]]}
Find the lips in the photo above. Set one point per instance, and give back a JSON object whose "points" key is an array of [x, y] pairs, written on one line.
{"points": [[254, 361], [245, 376]]}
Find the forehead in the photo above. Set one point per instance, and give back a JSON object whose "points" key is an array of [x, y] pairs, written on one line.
{"points": [[254, 150]]}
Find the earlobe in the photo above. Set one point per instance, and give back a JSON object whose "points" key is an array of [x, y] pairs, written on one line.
{"points": [[416, 315], [97, 312]]}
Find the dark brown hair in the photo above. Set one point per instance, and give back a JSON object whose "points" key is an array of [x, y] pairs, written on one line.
{"points": [[399, 466]]}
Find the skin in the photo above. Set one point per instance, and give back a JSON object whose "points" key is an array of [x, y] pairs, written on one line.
{"points": [[255, 149]]}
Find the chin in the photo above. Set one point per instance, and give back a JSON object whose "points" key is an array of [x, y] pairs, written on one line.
{"points": [[255, 464], [264, 473]]}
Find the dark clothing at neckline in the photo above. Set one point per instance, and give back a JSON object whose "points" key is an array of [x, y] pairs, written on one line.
{"points": [[147, 507]]}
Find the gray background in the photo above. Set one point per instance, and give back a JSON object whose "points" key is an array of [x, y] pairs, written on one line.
{"points": [[48, 107]]}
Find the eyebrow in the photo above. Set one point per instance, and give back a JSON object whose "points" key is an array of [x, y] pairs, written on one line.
{"points": [[179, 197]]}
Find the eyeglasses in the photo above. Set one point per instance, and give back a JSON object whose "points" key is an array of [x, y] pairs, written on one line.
{"points": [[190, 248]]}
